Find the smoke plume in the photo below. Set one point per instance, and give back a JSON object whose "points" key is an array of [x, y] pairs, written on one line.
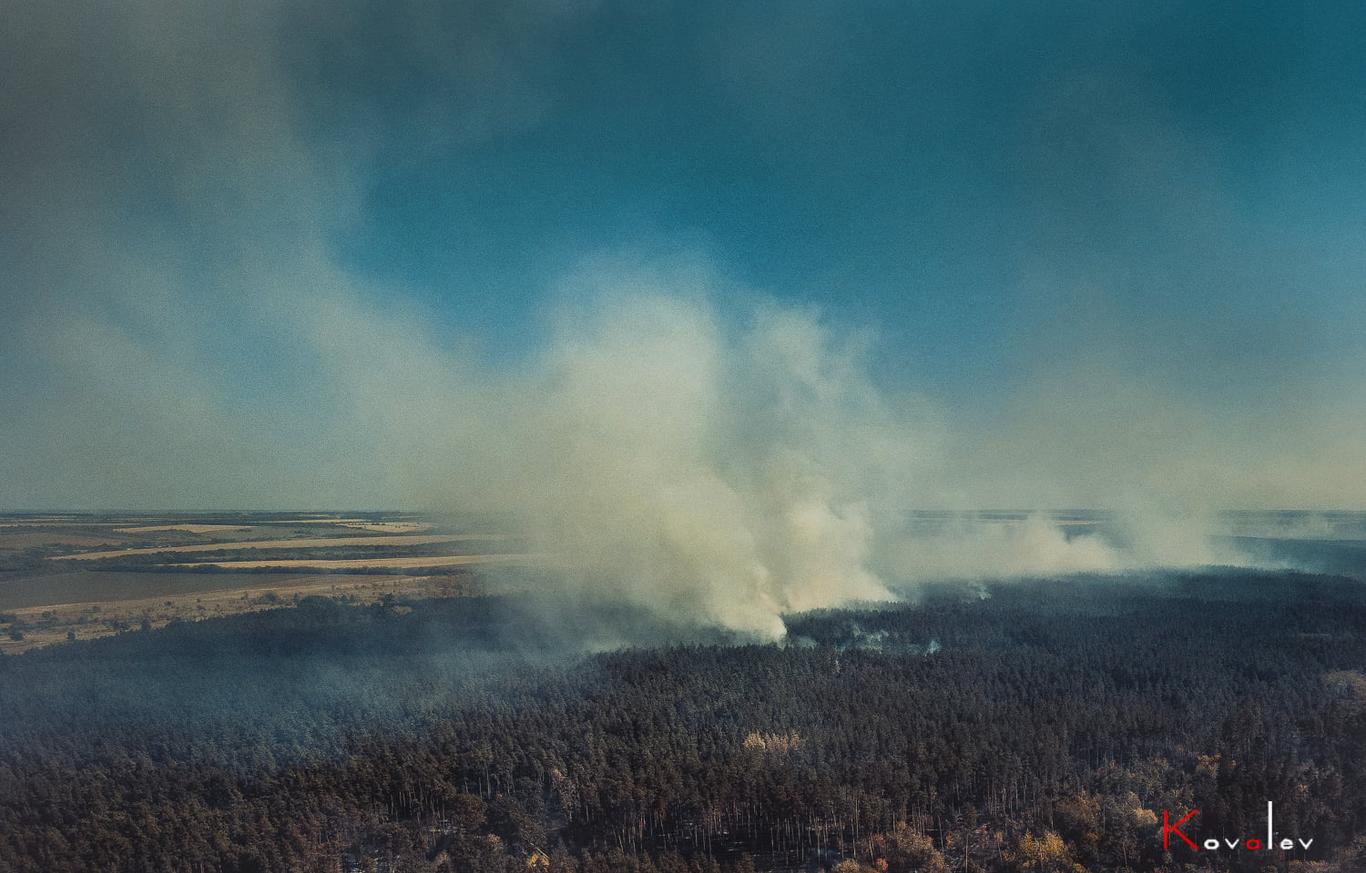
{"points": [[719, 467], [184, 325]]}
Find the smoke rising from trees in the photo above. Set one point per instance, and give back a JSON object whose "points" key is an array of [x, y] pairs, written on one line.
{"points": [[183, 328]]}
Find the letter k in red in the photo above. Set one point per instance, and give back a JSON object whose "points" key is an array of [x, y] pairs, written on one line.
{"points": [[1169, 829]]}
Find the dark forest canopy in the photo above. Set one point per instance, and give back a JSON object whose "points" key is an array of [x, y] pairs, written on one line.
{"points": [[1039, 725]]}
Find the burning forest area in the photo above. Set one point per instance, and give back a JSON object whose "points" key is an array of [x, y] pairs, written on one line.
{"points": [[580, 436]]}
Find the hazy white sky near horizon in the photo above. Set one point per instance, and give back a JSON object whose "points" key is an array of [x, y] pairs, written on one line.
{"points": [[844, 258]]}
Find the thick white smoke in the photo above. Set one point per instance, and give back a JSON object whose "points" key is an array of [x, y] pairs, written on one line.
{"points": [[719, 465], [727, 474], [720, 470]]}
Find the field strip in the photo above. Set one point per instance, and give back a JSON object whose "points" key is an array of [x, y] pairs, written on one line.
{"points": [[388, 526], [285, 522], [365, 563], [312, 585], [62, 523], [303, 543], [188, 528]]}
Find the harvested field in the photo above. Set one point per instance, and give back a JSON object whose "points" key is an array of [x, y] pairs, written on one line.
{"points": [[53, 623], [299, 543], [63, 523], [365, 563], [111, 585], [388, 526], [30, 539], [50, 591], [188, 528], [312, 520]]}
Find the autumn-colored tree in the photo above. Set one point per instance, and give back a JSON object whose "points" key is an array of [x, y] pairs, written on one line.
{"points": [[1046, 854], [905, 851]]}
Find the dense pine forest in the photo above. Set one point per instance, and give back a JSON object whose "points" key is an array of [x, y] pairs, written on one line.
{"points": [[1034, 725]]}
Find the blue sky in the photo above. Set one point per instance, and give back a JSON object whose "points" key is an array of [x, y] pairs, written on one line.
{"points": [[1053, 216], [906, 163]]}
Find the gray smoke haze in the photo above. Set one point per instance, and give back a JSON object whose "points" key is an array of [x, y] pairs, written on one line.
{"points": [[179, 331]]}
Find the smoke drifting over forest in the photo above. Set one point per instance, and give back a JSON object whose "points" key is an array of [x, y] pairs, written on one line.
{"points": [[682, 436], [726, 471], [203, 307]]}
